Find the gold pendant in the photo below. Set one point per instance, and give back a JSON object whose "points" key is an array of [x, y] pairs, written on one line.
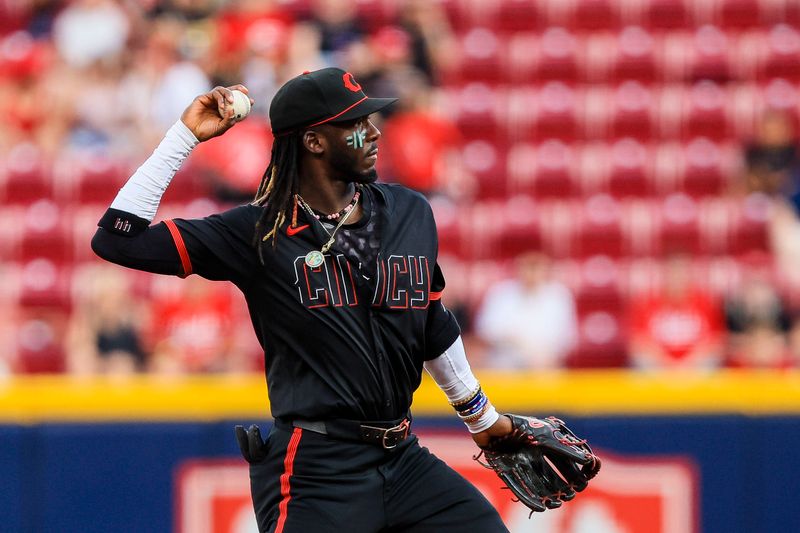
{"points": [[314, 258]]}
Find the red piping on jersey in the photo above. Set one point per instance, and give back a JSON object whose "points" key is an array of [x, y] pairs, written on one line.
{"points": [[186, 263], [288, 469], [435, 295]]}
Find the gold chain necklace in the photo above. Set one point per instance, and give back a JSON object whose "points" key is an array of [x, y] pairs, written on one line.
{"points": [[315, 258]]}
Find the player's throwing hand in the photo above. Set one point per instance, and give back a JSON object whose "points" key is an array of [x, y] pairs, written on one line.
{"points": [[211, 114]]}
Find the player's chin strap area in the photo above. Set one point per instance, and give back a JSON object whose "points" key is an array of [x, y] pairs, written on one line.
{"points": [[386, 434]]}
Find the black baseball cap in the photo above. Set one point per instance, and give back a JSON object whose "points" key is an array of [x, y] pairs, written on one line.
{"points": [[314, 98]]}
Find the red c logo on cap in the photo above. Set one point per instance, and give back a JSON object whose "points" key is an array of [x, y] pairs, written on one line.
{"points": [[350, 82]]}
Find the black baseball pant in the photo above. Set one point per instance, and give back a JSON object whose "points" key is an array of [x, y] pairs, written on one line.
{"points": [[310, 482]]}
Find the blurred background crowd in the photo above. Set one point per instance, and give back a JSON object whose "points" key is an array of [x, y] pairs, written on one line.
{"points": [[616, 182]]}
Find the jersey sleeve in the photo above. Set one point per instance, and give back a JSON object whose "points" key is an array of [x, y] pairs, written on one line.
{"points": [[218, 247], [441, 329]]}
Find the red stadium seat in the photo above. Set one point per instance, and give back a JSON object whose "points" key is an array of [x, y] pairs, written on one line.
{"points": [[44, 285], [739, 14], [600, 230], [705, 112], [486, 162], [559, 55], [39, 344], [476, 109], [709, 55], [594, 15], [634, 55], [704, 170], [599, 287], [666, 14], [448, 228], [680, 226], [481, 57], [27, 175], [546, 171], [556, 112], [46, 233], [749, 231], [520, 15], [601, 343], [98, 179], [782, 54], [519, 228], [631, 170], [634, 112]]}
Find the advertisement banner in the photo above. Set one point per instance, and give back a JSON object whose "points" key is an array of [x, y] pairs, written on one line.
{"points": [[630, 495]]}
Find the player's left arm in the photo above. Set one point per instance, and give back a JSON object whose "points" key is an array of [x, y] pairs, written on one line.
{"points": [[453, 375]]}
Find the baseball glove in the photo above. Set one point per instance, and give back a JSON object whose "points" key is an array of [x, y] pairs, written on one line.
{"points": [[541, 461]]}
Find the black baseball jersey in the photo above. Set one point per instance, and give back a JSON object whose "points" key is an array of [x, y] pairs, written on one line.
{"points": [[344, 340]]}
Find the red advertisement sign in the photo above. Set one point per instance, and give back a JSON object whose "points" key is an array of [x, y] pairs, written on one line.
{"points": [[630, 495]]}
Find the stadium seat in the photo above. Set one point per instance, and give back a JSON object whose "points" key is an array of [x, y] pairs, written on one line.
{"points": [[520, 15], [598, 289], [476, 110], [487, 162], [739, 14], [26, 175], [709, 55], [594, 15], [559, 55], [680, 226], [556, 112], [519, 229], [39, 342], [634, 56], [748, 230], [666, 14], [481, 58], [704, 170], [782, 54], [44, 285], [98, 179], [546, 171], [600, 228], [633, 112], [631, 169], [46, 233], [601, 342], [705, 112]]}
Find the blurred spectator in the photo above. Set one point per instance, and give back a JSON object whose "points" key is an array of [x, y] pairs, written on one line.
{"points": [[338, 25], [104, 333], [758, 323], [420, 148], [192, 331], [87, 31], [530, 321], [772, 158], [431, 37], [681, 327], [234, 163]]}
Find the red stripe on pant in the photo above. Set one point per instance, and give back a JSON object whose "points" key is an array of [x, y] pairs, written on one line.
{"points": [[288, 467]]}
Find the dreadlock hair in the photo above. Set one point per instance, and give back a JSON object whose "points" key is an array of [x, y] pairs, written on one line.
{"points": [[279, 185]]}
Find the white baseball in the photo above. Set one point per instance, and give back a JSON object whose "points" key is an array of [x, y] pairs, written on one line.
{"points": [[241, 105]]}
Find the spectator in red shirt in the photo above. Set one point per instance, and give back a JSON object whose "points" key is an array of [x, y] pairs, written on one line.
{"points": [[421, 147], [192, 331], [680, 328]]}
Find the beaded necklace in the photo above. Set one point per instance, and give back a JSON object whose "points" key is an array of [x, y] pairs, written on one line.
{"points": [[315, 258]]}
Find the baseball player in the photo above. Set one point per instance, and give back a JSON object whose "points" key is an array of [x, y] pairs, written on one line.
{"points": [[341, 278]]}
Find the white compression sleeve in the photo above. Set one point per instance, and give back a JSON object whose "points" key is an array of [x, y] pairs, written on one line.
{"points": [[452, 373], [141, 195]]}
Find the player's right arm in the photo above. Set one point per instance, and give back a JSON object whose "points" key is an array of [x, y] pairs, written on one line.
{"points": [[125, 235]]}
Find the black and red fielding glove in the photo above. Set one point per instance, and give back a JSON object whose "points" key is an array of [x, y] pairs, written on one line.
{"points": [[541, 461]]}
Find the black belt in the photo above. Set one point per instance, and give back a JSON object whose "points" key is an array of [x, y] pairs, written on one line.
{"points": [[384, 434]]}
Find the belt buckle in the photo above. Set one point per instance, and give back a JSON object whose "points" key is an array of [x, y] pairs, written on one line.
{"points": [[400, 431]]}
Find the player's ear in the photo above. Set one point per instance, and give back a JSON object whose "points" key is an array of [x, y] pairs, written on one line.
{"points": [[314, 142]]}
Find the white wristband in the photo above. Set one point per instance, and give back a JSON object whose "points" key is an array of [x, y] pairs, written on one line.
{"points": [[142, 193], [486, 421]]}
